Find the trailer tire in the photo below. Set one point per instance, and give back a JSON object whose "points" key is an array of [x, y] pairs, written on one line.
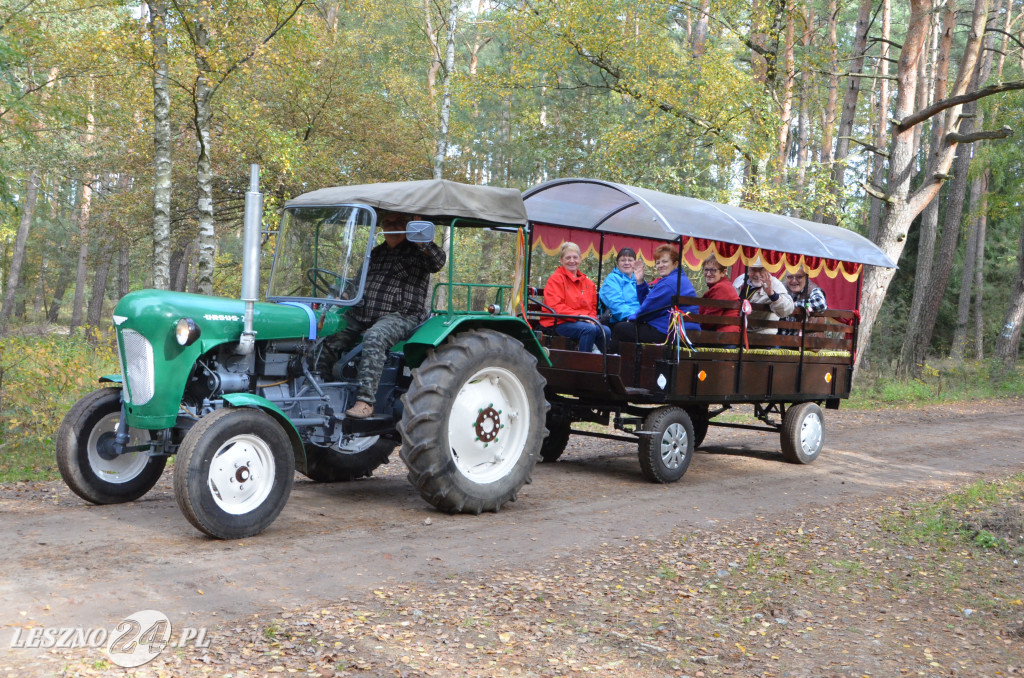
{"points": [[803, 433], [479, 388], [86, 432], [665, 455], [234, 473], [699, 418], [332, 465]]}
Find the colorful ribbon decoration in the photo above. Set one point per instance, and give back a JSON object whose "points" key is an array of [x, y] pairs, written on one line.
{"points": [[677, 330], [745, 310]]}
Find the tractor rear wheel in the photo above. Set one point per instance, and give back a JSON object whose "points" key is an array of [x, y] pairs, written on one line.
{"points": [[559, 426], [473, 422]]}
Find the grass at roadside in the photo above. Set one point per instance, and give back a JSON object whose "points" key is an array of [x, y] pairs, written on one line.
{"points": [[940, 382], [41, 377]]}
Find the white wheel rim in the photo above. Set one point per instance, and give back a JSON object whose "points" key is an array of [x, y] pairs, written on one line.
{"points": [[488, 425], [241, 474], [124, 467], [673, 446], [811, 431]]}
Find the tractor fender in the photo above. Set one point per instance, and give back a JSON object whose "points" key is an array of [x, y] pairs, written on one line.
{"points": [[253, 400], [435, 330], [111, 379]]}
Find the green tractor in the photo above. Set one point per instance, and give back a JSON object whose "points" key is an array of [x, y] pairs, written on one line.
{"points": [[240, 390]]}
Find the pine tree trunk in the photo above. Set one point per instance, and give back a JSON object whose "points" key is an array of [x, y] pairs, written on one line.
{"points": [[28, 213], [84, 206], [918, 340], [161, 147], [124, 271], [100, 280], [902, 155], [849, 110], [963, 307], [63, 278], [929, 229], [786, 100], [979, 273]]}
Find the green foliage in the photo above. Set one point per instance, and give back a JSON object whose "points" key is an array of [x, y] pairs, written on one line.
{"points": [[942, 382], [41, 377], [986, 515]]}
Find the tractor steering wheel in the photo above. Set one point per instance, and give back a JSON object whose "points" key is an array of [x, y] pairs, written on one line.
{"points": [[320, 278]]}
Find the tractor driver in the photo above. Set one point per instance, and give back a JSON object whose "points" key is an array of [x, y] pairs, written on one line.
{"points": [[394, 303]]}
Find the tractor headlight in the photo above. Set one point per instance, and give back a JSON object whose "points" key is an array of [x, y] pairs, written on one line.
{"points": [[186, 332]]}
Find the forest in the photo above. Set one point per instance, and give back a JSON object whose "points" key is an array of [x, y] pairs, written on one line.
{"points": [[127, 131]]}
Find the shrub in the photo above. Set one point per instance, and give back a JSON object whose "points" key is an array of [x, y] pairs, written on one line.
{"points": [[41, 377]]}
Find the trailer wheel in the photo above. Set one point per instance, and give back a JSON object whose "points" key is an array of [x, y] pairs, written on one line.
{"points": [[699, 418], [803, 433], [358, 458], [665, 455], [234, 473], [473, 422], [85, 458], [558, 426]]}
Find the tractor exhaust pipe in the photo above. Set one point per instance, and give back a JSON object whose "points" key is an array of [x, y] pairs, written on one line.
{"points": [[251, 258]]}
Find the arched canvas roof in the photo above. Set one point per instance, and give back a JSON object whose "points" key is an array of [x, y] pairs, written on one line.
{"points": [[428, 198], [608, 207]]}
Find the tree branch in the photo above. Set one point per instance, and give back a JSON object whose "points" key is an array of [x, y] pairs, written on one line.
{"points": [[870, 147], [876, 192], [939, 106], [1000, 133], [255, 49]]}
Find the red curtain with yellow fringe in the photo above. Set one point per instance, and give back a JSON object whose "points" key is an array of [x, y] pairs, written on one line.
{"points": [[838, 279]]}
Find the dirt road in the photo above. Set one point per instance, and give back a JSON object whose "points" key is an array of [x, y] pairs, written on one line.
{"points": [[66, 563]]}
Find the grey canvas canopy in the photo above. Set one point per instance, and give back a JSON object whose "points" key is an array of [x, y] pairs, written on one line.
{"points": [[427, 198], [608, 207]]}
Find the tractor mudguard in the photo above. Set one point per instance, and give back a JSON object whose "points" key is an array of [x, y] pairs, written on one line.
{"points": [[435, 330], [253, 400]]}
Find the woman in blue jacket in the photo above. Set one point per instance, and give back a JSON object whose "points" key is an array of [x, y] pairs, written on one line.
{"points": [[625, 287], [649, 324]]}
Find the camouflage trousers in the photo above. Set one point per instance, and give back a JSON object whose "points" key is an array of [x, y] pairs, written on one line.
{"points": [[378, 339]]}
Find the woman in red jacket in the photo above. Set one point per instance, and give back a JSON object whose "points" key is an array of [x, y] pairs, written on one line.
{"points": [[570, 292], [719, 287]]}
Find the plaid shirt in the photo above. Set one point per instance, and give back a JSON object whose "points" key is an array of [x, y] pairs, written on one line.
{"points": [[812, 299], [398, 281]]}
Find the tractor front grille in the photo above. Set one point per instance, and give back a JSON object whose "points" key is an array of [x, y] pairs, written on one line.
{"points": [[138, 366]]}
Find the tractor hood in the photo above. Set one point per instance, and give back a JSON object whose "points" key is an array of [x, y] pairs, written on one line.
{"points": [[151, 356]]}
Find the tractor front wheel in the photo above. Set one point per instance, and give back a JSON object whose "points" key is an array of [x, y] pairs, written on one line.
{"points": [[473, 422], [234, 473], [86, 458]]}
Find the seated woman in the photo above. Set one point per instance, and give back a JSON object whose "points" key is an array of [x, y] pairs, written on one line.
{"points": [[625, 287], [717, 277], [804, 293], [649, 325], [570, 292]]}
